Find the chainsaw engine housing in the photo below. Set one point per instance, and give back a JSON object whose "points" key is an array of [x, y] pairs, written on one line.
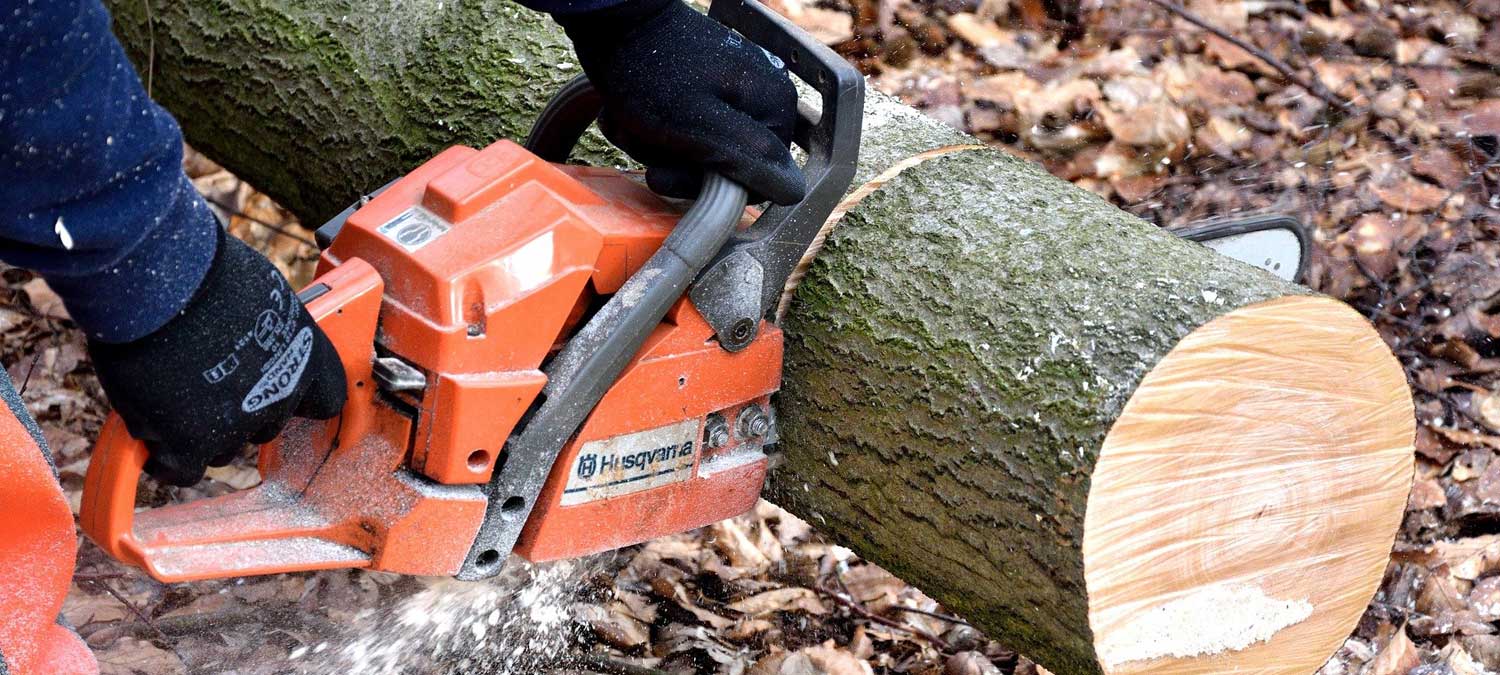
{"points": [[490, 258]]}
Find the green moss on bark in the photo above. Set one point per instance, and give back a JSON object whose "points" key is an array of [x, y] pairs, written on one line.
{"points": [[317, 102]]}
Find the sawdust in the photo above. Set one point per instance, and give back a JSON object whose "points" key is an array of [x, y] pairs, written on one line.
{"points": [[517, 622], [1212, 620]]}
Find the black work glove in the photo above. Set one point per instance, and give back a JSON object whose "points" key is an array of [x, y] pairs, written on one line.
{"points": [[683, 94], [233, 367]]}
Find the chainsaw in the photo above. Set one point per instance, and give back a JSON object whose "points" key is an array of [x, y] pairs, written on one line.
{"points": [[542, 359]]}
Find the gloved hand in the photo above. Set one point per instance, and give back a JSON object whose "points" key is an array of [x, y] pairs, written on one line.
{"points": [[682, 94], [233, 367]]}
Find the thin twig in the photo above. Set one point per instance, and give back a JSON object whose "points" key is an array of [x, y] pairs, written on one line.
{"points": [[133, 609], [848, 603], [936, 615], [150, 47], [278, 229], [29, 370], [85, 576], [1287, 72]]}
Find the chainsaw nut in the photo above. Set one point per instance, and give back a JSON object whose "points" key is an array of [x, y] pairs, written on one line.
{"points": [[715, 431], [753, 422]]}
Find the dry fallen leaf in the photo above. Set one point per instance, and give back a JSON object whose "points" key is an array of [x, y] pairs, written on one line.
{"points": [[1398, 656], [732, 541], [45, 300], [821, 661], [1053, 118], [1150, 124], [977, 31], [781, 600], [1426, 493], [1470, 558], [1374, 240], [613, 626], [1460, 662], [1484, 599], [873, 587], [825, 25], [131, 656], [969, 663], [1402, 192], [1489, 410]]}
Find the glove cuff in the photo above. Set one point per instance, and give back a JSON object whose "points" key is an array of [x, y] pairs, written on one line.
{"points": [[235, 271]]}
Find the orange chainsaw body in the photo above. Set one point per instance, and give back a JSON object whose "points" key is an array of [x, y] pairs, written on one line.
{"points": [[542, 359], [472, 270]]}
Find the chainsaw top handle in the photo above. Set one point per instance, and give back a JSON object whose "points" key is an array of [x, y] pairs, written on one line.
{"points": [[744, 282]]}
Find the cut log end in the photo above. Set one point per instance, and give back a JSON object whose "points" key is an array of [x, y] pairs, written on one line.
{"points": [[1244, 504]]}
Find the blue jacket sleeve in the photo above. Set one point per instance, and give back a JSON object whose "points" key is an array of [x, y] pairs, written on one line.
{"points": [[569, 6], [91, 174]]}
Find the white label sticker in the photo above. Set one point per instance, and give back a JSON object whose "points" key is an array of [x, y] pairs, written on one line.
{"points": [[414, 228], [631, 463]]}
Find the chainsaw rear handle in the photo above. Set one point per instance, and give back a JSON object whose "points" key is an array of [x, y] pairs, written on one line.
{"points": [[107, 512], [744, 283]]}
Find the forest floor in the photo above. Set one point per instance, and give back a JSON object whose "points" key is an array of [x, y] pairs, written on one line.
{"points": [[1375, 123]]}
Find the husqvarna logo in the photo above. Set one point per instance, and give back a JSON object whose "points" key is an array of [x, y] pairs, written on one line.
{"points": [[414, 228], [587, 465], [281, 377]]}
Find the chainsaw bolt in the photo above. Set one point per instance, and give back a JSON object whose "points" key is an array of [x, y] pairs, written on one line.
{"points": [[742, 330], [715, 431], [753, 422]]}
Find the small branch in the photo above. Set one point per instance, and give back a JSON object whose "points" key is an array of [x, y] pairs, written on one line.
{"points": [[273, 227], [133, 609], [936, 615], [1287, 72], [84, 576], [848, 603]]}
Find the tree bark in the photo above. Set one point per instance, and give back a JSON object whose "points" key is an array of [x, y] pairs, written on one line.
{"points": [[962, 357]]}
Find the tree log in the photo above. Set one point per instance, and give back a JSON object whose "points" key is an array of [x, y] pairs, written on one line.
{"points": [[1111, 449]]}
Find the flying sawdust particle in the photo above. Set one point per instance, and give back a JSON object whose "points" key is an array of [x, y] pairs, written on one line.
{"points": [[515, 623]]}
